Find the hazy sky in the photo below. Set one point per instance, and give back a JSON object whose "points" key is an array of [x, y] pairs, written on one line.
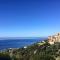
{"points": [[29, 18]]}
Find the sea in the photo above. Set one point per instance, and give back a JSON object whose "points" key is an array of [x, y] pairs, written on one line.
{"points": [[18, 43]]}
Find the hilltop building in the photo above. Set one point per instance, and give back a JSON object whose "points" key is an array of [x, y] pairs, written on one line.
{"points": [[54, 38]]}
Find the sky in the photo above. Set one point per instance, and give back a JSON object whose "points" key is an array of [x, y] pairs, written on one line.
{"points": [[29, 18]]}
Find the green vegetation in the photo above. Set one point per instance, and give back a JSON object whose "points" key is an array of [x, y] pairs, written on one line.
{"points": [[37, 51], [4, 56]]}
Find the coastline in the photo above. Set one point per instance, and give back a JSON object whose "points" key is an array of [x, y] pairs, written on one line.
{"points": [[17, 43]]}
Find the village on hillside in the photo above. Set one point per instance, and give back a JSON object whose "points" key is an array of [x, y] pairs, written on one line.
{"points": [[54, 38]]}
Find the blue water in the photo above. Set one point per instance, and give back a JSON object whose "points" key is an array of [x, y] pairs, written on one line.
{"points": [[17, 43]]}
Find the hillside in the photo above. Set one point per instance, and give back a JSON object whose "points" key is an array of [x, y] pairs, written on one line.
{"points": [[38, 51]]}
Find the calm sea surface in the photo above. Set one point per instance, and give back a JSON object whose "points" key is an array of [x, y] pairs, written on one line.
{"points": [[17, 43]]}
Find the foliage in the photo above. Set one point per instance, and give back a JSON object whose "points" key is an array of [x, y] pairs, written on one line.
{"points": [[35, 52]]}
